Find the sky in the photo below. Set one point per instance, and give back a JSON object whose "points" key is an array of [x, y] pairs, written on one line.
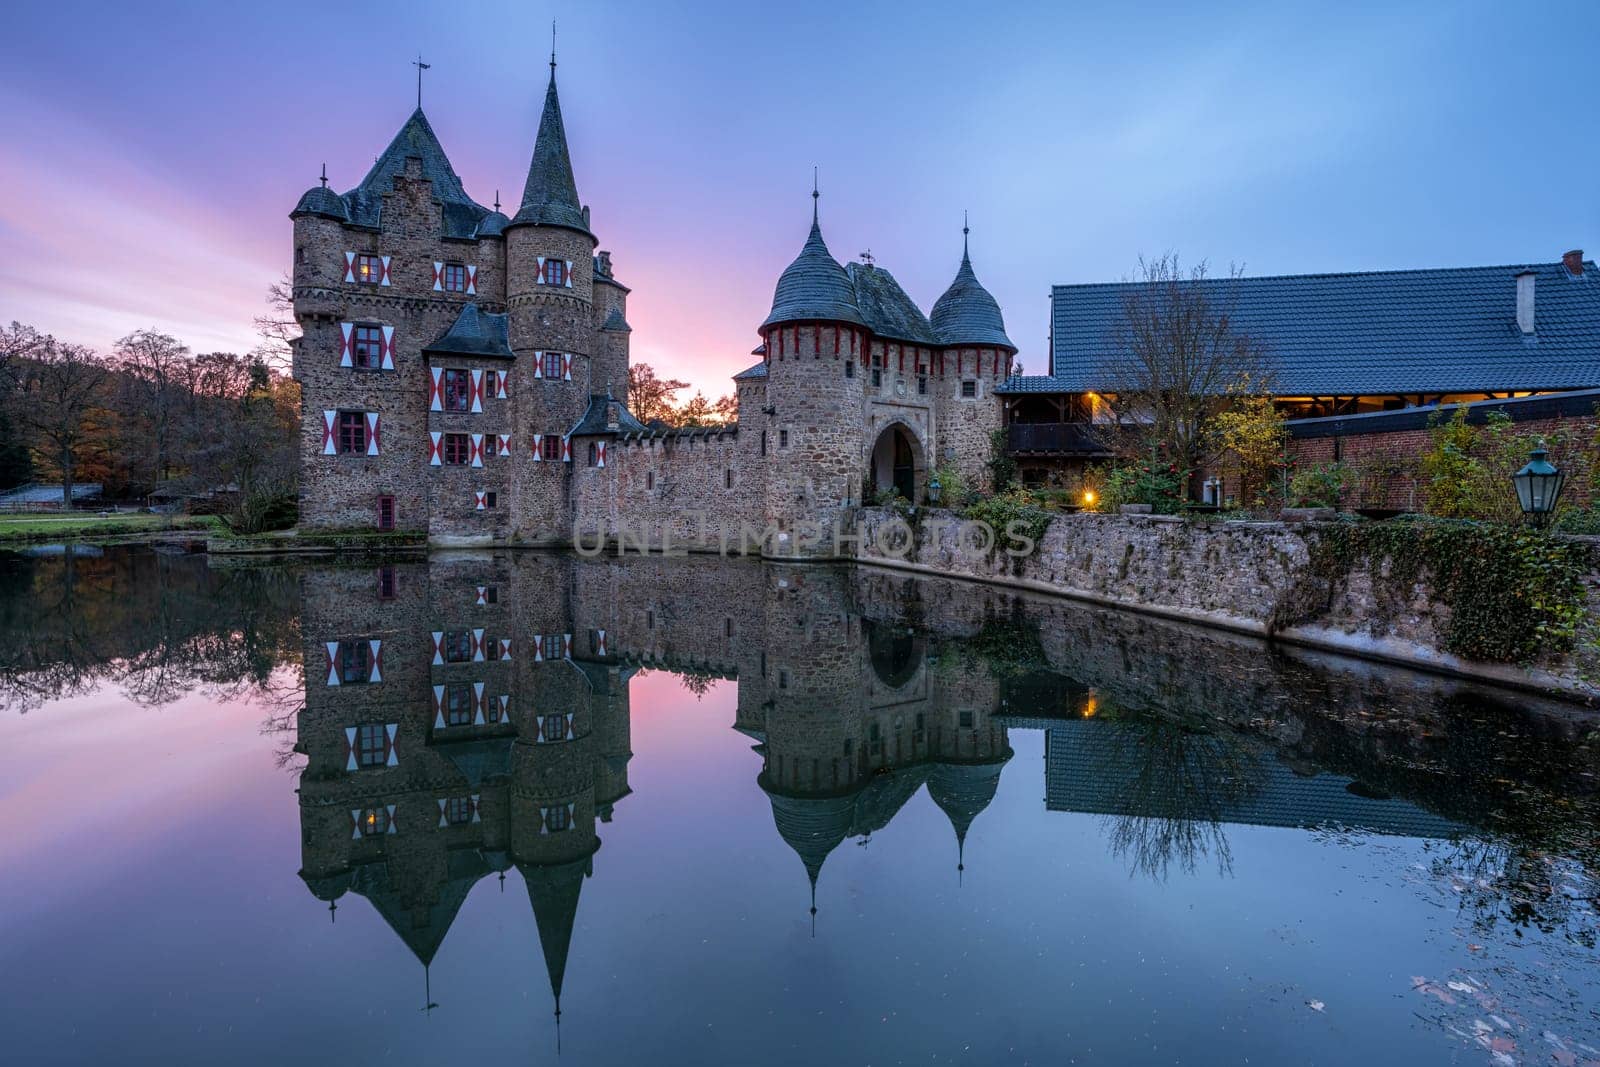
{"points": [[150, 153]]}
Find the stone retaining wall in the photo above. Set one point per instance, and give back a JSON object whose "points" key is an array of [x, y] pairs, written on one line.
{"points": [[1228, 574]]}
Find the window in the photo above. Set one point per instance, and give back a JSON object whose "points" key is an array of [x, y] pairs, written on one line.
{"points": [[969, 388], [491, 595], [457, 449], [457, 646], [355, 662], [374, 822], [966, 720], [783, 438], [386, 512], [594, 454], [849, 368], [372, 743], [727, 478], [763, 442], [458, 810], [650, 480], [491, 499], [552, 365], [300, 254], [550, 646], [554, 727], [555, 819], [555, 272], [491, 445], [455, 278], [458, 705], [353, 432], [922, 386], [491, 382], [877, 377], [457, 388], [388, 583], [366, 347], [493, 712], [369, 268], [727, 627], [550, 448], [783, 678], [650, 619]]}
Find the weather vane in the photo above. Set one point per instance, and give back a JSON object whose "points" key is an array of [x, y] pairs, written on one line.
{"points": [[421, 66]]}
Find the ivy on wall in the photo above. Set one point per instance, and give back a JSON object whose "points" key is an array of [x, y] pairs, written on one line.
{"points": [[1512, 593]]}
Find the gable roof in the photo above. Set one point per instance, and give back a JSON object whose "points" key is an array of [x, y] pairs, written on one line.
{"points": [[416, 139], [886, 308], [1375, 332]]}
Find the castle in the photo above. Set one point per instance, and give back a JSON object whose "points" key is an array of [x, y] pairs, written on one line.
{"points": [[463, 375]]}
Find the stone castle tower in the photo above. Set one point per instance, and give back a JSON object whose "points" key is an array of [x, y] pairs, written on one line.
{"points": [[463, 375]]}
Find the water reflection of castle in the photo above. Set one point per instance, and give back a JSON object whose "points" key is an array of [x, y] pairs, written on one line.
{"points": [[471, 714]]}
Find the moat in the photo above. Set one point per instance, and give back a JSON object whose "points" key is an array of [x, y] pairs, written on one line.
{"points": [[515, 805]]}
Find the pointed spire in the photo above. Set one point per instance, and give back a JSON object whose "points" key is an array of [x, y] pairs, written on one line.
{"points": [[813, 906], [550, 196], [552, 50], [965, 261], [815, 196]]}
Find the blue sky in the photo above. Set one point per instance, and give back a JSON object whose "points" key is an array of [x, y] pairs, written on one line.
{"points": [[152, 154]]}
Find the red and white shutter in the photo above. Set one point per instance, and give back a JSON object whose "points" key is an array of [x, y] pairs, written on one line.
{"points": [[374, 434], [391, 759], [505, 648], [599, 642], [477, 646], [477, 703], [383, 279], [434, 457], [393, 827], [346, 329], [504, 441], [482, 499], [438, 707], [355, 824], [330, 423], [566, 450], [477, 450], [443, 822], [540, 275], [375, 673], [477, 391], [386, 356], [502, 386], [333, 662], [600, 453], [472, 281], [435, 388], [438, 648], [349, 266], [538, 649], [569, 274], [349, 748], [505, 707], [538, 364], [566, 366], [438, 276], [538, 448], [566, 646], [483, 596], [475, 808]]}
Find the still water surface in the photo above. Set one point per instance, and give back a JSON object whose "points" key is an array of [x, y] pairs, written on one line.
{"points": [[732, 812]]}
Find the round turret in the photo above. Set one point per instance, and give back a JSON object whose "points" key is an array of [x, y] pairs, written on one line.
{"points": [[967, 315]]}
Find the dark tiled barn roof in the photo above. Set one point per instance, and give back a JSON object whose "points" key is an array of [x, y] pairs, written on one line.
{"points": [[967, 315], [475, 333], [886, 308], [550, 196], [1373, 333]]}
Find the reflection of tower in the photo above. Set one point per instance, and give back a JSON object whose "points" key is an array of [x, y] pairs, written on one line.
{"points": [[454, 728]]}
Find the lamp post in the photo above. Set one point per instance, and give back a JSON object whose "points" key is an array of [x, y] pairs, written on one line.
{"points": [[935, 490], [1539, 485]]}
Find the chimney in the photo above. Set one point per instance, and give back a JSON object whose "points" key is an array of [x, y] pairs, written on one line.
{"points": [[1525, 302], [1573, 261]]}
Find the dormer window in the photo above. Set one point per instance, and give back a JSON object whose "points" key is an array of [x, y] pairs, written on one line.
{"points": [[454, 277], [369, 268], [555, 272]]}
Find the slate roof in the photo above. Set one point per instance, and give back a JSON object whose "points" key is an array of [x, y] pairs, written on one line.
{"points": [[475, 333], [814, 287], [886, 308], [1378, 332], [550, 196], [967, 314], [757, 371], [615, 322], [593, 422], [363, 205]]}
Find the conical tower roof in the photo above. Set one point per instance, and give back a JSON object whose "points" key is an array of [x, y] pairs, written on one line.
{"points": [[966, 314], [553, 891], [814, 287], [550, 196]]}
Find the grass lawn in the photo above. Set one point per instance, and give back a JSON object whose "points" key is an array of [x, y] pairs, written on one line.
{"points": [[48, 527]]}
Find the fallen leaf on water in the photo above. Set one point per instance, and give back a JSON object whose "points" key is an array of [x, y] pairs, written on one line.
{"points": [[1314, 1005]]}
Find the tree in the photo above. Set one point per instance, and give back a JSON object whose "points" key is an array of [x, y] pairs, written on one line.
{"points": [[726, 409], [62, 402], [278, 328], [156, 368], [18, 343], [1174, 356], [649, 397], [1252, 436], [696, 411]]}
